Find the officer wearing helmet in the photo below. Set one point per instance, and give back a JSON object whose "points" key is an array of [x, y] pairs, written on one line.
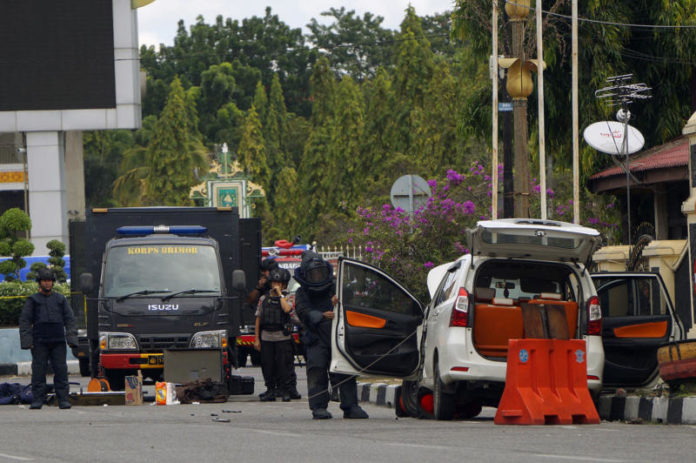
{"points": [[314, 302], [274, 338], [46, 322], [263, 286]]}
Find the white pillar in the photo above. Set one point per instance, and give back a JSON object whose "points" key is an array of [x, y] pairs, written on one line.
{"points": [[46, 169]]}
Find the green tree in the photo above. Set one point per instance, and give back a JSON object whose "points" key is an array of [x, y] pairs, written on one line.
{"points": [[414, 71], [353, 45], [218, 87], [285, 211], [103, 152], [166, 173], [435, 122], [313, 200], [343, 178], [56, 252], [13, 223], [252, 151]]}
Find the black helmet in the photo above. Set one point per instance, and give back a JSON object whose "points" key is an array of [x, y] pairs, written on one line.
{"points": [[45, 274], [315, 269], [268, 264], [279, 274]]}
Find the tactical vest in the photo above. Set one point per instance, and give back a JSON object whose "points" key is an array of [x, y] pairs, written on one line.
{"points": [[273, 318]]}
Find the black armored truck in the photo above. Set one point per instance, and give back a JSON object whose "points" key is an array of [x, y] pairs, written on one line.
{"points": [[160, 280]]}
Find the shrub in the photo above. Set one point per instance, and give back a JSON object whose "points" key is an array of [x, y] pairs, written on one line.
{"points": [[13, 294]]}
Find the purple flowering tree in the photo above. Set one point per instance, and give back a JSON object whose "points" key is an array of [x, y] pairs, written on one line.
{"points": [[408, 246]]}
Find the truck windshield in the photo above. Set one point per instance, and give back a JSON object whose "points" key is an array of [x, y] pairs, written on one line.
{"points": [[170, 268]]}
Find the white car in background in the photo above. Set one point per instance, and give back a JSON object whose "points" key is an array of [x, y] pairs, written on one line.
{"points": [[455, 348]]}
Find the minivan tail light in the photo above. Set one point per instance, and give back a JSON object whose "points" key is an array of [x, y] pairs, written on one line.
{"points": [[460, 310], [594, 317]]}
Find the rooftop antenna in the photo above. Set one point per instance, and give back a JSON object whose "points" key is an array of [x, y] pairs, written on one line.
{"points": [[622, 92]]}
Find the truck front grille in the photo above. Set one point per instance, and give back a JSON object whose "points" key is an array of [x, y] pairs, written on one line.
{"points": [[160, 343]]}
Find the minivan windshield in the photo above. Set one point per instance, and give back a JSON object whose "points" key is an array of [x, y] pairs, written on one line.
{"points": [[160, 267]]}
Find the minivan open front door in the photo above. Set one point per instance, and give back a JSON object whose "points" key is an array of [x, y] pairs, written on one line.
{"points": [[376, 328], [637, 318]]}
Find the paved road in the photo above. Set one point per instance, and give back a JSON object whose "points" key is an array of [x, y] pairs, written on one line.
{"points": [[285, 432]]}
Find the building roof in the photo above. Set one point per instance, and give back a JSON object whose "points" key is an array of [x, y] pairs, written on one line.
{"points": [[663, 163]]}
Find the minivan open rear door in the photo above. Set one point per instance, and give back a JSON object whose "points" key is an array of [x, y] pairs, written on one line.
{"points": [[376, 329], [637, 318]]}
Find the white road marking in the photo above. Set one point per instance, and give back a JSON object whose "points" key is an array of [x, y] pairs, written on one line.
{"points": [[15, 457], [576, 458]]}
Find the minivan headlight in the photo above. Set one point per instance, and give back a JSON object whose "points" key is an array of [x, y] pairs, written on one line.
{"points": [[117, 341], [209, 340]]}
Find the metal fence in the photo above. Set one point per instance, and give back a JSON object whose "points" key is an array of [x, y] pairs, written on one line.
{"points": [[334, 252]]}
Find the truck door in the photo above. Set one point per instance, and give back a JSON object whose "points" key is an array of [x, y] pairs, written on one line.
{"points": [[638, 317], [376, 329]]}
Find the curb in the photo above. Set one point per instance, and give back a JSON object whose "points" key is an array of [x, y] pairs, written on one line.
{"points": [[666, 410], [681, 410], [377, 393], [24, 368]]}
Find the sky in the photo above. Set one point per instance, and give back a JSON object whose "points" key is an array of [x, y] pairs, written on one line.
{"points": [[157, 22]]}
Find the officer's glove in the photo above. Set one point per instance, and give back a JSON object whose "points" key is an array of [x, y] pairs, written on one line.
{"points": [[314, 317]]}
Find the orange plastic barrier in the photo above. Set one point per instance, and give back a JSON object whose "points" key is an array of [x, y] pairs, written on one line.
{"points": [[546, 383]]}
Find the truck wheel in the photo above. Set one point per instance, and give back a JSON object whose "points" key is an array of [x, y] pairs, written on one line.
{"points": [[84, 367], [443, 402], [255, 358], [116, 379]]}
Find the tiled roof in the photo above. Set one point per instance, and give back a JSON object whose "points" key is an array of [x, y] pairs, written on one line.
{"points": [[669, 155]]}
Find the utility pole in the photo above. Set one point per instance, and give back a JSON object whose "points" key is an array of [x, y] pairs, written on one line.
{"points": [[494, 122]]}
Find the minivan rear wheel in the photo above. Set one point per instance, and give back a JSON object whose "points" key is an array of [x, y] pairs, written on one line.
{"points": [[443, 402]]}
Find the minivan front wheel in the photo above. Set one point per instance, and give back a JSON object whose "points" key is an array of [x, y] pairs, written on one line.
{"points": [[443, 402]]}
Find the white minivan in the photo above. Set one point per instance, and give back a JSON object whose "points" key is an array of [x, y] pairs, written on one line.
{"points": [[455, 349]]}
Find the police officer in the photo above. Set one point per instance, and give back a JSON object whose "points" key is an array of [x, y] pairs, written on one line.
{"points": [[262, 288], [274, 338], [263, 285], [45, 323], [314, 302]]}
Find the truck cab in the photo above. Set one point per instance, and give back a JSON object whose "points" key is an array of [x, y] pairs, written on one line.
{"points": [[161, 290]]}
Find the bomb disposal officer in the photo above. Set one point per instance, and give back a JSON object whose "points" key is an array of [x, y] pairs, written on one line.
{"points": [[314, 302]]}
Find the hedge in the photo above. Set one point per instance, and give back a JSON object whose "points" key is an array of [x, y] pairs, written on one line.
{"points": [[12, 297]]}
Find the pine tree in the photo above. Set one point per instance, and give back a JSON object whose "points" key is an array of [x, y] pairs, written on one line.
{"points": [[252, 151], [414, 71], [435, 123], [312, 170], [345, 171], [379, 126], [286, 209], [174, 152]]}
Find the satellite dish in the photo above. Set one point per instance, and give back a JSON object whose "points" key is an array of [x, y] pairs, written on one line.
{"points": [[410, 192], [608, 137]]}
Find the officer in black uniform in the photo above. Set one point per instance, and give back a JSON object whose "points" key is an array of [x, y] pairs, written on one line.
{"points": [[314, 302], [45, 323]]}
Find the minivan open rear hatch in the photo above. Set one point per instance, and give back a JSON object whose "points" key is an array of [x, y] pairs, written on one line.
{"points": [[533, 239]]}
